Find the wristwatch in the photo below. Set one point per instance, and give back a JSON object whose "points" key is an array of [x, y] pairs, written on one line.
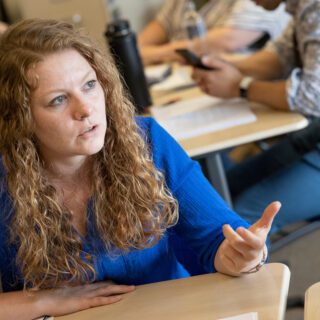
{"points": [[244, 85]]}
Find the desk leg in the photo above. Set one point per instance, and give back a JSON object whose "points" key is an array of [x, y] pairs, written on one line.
{"points": [[214, 171]]}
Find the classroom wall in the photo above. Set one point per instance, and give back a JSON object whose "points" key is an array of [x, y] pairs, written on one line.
{"points": [[92, 14], [139, 12]]}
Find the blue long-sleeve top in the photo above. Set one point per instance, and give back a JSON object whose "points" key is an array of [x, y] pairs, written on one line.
{"points": [[202, 213]]}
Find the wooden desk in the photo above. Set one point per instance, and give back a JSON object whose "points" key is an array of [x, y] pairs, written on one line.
{"points": [[312, 303], [270, 123], [210, 296]]}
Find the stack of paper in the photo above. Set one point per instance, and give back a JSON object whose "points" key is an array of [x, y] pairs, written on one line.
{"points": [[179, 79], [157, 73], [244, 316], [198, 116]]}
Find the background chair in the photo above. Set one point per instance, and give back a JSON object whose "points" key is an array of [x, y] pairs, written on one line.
{"points": [[297, 246]]}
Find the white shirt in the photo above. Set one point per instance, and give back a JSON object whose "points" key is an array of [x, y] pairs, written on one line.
{"points": [[240, 14]]}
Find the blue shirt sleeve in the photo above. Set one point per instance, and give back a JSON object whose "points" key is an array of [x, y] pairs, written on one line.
{"points": [[202, 212]]}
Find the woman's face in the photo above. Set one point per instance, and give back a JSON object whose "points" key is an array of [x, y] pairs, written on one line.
{"points": [[68, 107]]}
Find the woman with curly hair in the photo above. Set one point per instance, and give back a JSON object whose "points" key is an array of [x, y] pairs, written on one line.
{"points": [[91, 197]]}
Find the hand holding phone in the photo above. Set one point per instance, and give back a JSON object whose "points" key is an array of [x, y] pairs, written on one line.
{"points": [[192, 59]]}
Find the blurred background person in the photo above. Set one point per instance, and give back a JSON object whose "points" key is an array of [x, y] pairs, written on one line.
{"points": [[232, 25], [284, 76]]}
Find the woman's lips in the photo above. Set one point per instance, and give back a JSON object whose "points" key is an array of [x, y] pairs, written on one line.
{"points": [[89, 132]]}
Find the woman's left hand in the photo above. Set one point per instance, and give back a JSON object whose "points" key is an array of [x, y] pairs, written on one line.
{"points": [[243, 249]]}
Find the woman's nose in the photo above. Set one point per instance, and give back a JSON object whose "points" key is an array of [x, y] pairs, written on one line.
{"points": [[83, 110]]}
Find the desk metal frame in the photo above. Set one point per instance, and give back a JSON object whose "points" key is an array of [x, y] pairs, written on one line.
{"points": [[213, 169]]}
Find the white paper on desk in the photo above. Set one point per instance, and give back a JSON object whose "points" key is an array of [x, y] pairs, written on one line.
{"points": [[194, 117], [244, 316], [158, 72], [180, 78]]}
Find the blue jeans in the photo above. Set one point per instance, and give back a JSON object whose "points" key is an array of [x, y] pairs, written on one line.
{"points": [[278, 174]]}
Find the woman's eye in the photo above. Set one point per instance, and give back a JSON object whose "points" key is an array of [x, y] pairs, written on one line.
{"points": [[58, 101], [90, 84]]}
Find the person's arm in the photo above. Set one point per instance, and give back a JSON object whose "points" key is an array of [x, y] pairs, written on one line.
{"points": [[218, 39], [269, 64], [154, 40], [225, 80], [26, 305], [263, 65], [275, 61], [259, 91], [203, 214], [152, 34], [155, 46], [228, 39], [221, 39]]}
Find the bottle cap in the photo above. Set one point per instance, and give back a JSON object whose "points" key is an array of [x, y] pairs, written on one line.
{"points": [[118, 28]]}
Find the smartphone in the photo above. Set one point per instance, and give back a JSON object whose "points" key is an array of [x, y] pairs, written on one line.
{"points": [[192, 59]]}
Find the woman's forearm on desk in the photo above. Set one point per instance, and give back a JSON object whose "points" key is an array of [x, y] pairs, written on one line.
{"points": [[26, 305]]}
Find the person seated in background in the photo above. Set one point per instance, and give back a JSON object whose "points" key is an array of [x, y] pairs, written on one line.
{"points": [[90, 195], [285, 76], [232, 25]]}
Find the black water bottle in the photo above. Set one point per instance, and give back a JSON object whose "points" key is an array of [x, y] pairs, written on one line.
{"points": [[123, 46]]}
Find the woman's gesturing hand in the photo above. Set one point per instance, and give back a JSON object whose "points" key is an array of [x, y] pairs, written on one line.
{"points": [[242, 249], [57, 302]]}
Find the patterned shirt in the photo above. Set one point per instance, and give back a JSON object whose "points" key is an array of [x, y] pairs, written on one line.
{"points": [[240, 14], [299, 51]]}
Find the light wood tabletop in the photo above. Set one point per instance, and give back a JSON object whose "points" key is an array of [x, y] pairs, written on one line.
{"points": [[312, 303], [269, 123], [211, 296]]}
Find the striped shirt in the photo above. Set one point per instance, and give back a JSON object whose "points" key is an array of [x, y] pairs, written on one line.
{"points": [[299, 51], [240, 14]]}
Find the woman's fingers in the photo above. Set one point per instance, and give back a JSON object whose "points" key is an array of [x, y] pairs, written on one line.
{"points": [[243, 249], [108, 289], [231, 235], [265, 222], [252, 240], [243, 241], [102, 301], [108, 294], [238, 259], [113, 290], [72, 299], [86, 303]]}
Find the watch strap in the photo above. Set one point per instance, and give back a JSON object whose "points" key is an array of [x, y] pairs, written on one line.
{"points": [[244, 85]]}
